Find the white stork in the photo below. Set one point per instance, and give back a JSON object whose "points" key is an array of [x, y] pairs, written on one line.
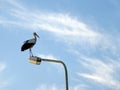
{"points": [[28, 44]]}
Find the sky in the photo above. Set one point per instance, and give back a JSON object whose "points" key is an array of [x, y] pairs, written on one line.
{"points": [[84, 34]]}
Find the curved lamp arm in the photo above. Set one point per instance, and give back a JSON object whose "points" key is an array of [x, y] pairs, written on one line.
{"points": [[37, 60]]}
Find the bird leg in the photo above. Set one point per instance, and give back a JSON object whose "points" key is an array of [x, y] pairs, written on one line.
{"points": [[31, 55]]}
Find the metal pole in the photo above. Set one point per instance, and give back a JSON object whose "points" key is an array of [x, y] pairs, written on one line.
{"points": [[65, 68]]}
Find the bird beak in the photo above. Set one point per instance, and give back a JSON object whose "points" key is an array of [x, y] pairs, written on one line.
{"points": [[37, 36]]}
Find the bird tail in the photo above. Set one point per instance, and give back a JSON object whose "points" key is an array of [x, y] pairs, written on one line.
{"points": [[22, 49]]}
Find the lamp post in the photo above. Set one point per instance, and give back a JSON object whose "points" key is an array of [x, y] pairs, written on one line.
{"points": [[37, 60]]}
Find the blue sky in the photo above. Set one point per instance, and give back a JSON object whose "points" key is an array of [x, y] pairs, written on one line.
{"points": [[82, 33]]}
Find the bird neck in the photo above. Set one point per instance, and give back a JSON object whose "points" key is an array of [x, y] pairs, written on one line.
{"points": [[35, 37]]}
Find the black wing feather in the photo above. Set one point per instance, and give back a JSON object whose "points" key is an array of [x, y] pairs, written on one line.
{"points": [[26, 45]]}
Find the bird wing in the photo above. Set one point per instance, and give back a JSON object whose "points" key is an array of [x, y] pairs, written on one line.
{"points": [[28, 44], [29, 41]]}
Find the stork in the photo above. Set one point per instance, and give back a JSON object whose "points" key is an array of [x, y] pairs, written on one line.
{"points": [[28, 44]]}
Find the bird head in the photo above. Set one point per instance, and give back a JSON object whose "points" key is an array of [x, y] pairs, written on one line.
{"points": [[35, 34]]}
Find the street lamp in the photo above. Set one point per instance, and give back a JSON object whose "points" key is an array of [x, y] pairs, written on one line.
{"points": [[37, 60]]}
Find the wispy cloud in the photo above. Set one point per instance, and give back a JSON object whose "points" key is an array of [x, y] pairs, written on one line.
{"points": [[3, 82], [48, 87], [55, 87], [101, 72], [65, 27], [57, 66], [49, 56], [2, 67], [61, 25]]}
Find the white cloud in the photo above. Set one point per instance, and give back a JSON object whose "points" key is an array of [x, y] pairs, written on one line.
{"points": [[54, 65], [62, 25], [10, 4], [49, 56], [47, 87], [79, 87], [3, 82], [101, 72], [65, 27], [2, 67], [55, 87]]}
